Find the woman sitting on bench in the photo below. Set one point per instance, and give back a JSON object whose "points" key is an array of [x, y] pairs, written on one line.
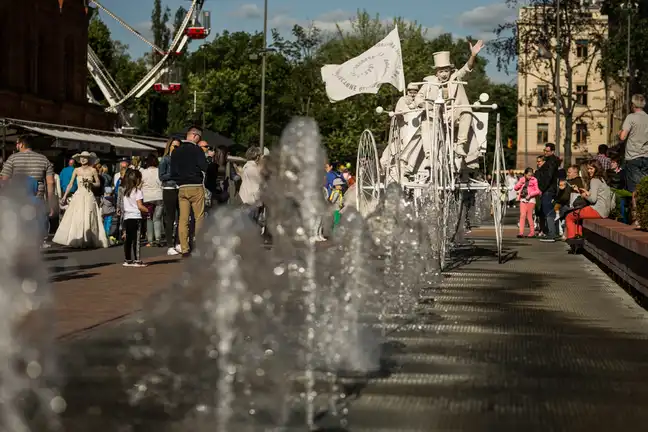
{"points": [[599, 197]]}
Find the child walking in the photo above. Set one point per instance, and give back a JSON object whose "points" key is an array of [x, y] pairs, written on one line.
{"points": [[527, 188], [132, 210], [108, 211]]}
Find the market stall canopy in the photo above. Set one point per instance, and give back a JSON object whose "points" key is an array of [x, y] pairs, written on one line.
{"points": [[71, 137]]}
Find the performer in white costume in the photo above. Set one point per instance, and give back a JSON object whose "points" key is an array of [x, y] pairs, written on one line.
{"points": [[445, 72], [82, 225], [407, 145]]}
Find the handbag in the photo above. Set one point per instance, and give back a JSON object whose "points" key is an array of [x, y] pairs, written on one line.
{"points": [[579, 203]]}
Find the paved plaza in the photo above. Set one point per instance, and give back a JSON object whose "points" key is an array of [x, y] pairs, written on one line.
{"points": [[545, 341]]}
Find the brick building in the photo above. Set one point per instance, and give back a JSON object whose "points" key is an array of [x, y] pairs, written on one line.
{"points": [[44, 74]]}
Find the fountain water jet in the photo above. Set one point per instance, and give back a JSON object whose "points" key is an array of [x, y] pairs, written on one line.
{"points": [[27, 380]]}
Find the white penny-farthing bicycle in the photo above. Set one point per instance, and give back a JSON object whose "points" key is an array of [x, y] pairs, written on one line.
{"points": [[433, 185]]}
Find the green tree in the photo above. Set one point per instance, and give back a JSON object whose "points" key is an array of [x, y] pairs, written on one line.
{"points": [[179, 16], [159, 26], [614, 62], [505, 96]]}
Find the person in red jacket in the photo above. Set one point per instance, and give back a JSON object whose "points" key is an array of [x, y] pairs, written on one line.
{"points": [[528, 190]]}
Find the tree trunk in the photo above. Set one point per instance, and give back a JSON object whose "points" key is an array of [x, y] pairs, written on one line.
{"points": [[567, 152], [569, 115]]}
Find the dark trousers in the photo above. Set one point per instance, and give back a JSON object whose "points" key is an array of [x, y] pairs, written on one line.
{"points": [[549, 214], [170, 199], [133, 229]]}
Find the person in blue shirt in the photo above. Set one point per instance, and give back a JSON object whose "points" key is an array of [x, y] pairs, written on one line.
{"points": [[66, 175], [331, 175]]}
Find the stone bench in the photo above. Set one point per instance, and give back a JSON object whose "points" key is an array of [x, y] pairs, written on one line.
{"points": [[621, 248]]}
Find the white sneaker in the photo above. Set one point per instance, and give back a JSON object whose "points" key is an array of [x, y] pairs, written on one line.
{"points": [[172, 251]]}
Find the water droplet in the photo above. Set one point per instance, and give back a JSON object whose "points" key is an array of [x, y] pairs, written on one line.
{"points": [[279, 270], [29, 286], [34, 369], [58, 404]]}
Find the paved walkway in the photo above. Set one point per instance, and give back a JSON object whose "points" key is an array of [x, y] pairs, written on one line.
{"points": [[92, 287], [545, 341]]}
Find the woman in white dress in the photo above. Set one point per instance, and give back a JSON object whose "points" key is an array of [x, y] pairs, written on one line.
{"points": [[82, 224]]}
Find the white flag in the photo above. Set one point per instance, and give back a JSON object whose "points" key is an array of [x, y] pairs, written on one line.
{"points": [[381, 64]]}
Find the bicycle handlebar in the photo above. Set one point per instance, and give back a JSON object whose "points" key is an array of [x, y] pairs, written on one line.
{"points": [[438, 84]]}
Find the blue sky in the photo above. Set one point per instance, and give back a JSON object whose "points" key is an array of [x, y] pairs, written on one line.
{"points": [[461, 18]]}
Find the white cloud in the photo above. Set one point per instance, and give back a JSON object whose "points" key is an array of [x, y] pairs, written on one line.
{"points": [[331, 21], [484, 19], [248, 11]]}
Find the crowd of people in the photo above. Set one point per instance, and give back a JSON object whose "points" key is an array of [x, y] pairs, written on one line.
{"points": [[554, 201], [162, 201], [155, 201]]}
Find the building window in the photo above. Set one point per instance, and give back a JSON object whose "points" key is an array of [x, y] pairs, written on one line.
{"points": [[581, 94], [581, 48], [543, 133], [543, 95], [581, 133]]}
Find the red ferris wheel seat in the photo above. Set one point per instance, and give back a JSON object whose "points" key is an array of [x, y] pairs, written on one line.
{"points": [[172, 88], [197, 32]]}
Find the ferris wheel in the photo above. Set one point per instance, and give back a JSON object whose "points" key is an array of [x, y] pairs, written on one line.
{"points": [[162, 76]]}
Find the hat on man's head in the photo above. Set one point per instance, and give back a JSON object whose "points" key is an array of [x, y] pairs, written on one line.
{"points": [[412, 86], [442, 60], [124, 159], [338, 182]]}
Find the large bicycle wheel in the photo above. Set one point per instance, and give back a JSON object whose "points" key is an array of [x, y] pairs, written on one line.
{"points": [[499, 190], [368, 183], [438, 190], [393, 169]]}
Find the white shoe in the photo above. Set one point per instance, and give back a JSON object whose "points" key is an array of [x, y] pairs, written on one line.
{"points": [[172, 251]]}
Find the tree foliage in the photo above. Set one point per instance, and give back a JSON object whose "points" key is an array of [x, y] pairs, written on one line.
{"points": [[614, 62], [222, 86], [531, 44]]}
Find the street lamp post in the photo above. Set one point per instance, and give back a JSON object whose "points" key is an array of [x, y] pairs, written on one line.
{"points": [[629, 6], [558, 71], [263, 76]]}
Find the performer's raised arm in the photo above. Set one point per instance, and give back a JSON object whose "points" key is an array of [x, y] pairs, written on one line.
{"points": [[468, 67]]}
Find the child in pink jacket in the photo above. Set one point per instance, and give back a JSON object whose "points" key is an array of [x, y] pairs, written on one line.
{"points": [[528, 190]]}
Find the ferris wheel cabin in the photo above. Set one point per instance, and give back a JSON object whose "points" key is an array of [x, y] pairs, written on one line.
{"points": [[201, 27], [170, 82]]}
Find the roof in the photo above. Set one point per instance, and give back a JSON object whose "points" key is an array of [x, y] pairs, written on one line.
{"points": [[10, 129]]}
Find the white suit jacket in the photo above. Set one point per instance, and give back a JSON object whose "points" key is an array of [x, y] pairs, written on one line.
{"points": [[455, 91]]}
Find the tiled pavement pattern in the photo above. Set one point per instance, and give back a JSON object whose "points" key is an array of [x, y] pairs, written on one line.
{"points": [[544, 342], [92, 287]]}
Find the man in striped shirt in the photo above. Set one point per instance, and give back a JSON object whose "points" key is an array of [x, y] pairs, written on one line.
{"points": [[27, 162]]}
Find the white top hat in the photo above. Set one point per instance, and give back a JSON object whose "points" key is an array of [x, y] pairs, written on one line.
{"points": [[412, 86], [442, 60]]}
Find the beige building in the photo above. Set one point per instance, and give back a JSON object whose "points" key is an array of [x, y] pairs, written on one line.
{"points": [[536, 124]]}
